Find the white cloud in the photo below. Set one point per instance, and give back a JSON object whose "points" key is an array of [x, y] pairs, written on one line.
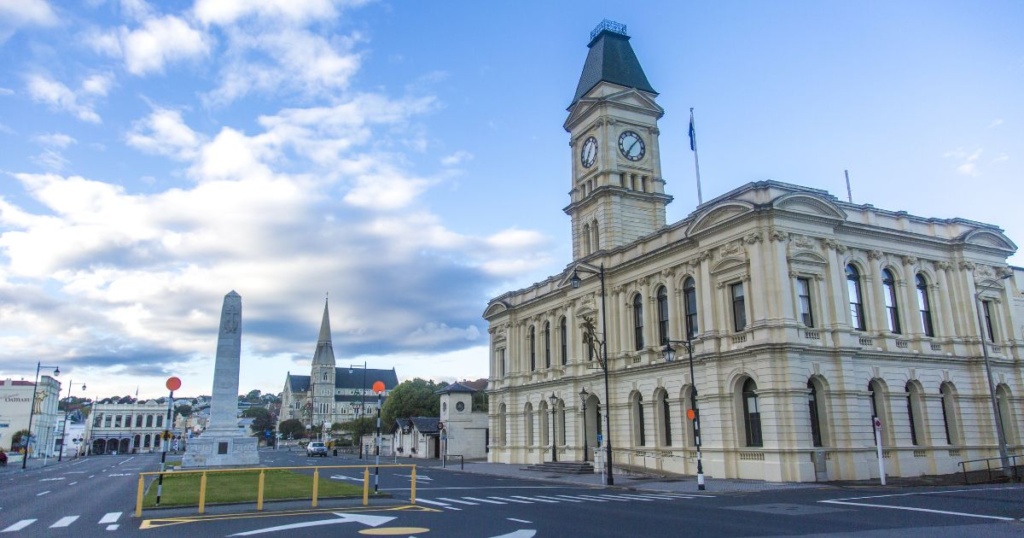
{"points": [[59, 96], [968, 162], [97, 84], [27, 12], [158, 42], [6, 91], [456, 158], [58, 140], [164, 132], [51, 160], [225, 12]]}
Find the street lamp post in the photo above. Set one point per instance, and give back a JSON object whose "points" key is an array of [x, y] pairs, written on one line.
{"points": [[670, 355], [575, 281], [32, 410], [1000, 434], [554, 400], [64, 428], [583, 400]]}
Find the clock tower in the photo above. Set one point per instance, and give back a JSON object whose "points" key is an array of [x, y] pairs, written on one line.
{"points": [[617, 194]]}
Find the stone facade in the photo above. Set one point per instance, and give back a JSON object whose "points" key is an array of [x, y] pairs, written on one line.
{"points": [[126, 428], [807, 316], [15, 406]]}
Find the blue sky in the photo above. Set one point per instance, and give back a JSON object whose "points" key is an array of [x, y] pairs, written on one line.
{"points": [[409, 159]]}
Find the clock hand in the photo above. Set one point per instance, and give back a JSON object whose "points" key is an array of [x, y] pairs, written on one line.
{"points": [[631, 146]]}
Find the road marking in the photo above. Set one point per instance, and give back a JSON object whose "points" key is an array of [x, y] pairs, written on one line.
{"points": [[73, 483], [511, 500], [343, 477], [64, 522], [112, 527], [521, 533], [110, 517], [483, 500], [645, 497], [435, 503], [370, 521], [520, 520], [625, 498], [926, 510], [605, 498], [456, 501], [52, 479], [533, 499], [19, 525], [557, 499], [42, 493], [581, 498]]}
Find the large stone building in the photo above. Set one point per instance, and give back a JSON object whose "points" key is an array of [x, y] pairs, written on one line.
{"points": [[15, 407], [807, 316], [331, 394], [126, 428]]}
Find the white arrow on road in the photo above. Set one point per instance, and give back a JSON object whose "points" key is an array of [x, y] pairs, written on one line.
{"points": [[419, 477], [522, 533], [343, 477], [370, 521]]}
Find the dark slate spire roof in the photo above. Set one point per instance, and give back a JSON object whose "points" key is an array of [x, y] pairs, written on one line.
{"points": [[324, 353], [456, 387], [298, 383], [611, 59]]}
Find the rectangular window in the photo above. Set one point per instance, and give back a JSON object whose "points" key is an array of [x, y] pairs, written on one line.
{"points": [[690, 300], [803, 289], [159, 421], [987, 312], [563, 342], [222, 448], [739, 310], [117, 421], [138, 421], [501, 361]]}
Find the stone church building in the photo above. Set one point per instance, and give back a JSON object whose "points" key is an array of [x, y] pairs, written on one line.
{"points": [[330, 393], [807, 316]]}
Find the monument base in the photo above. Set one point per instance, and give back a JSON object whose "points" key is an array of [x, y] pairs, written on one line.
{"points": [[220, 450]]}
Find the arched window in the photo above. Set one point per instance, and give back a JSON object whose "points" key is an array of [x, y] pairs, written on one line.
{"points": [[547, 344], [664, 416], [751, 414], [533, 348], [1006, 415], [855, 297], [638, 321], [690, 304], [502, 425], [501, 362], [597, 236], [891, 307], [986, 314], [880, 408], [586, 240], [950, 414], [812, 407], [545, 425], [925, 305], [528, 423], [639, 432], [914, 417], [662, 315], [563, 341]]}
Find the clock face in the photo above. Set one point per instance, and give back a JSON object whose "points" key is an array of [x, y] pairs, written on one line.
{"points": [[588, 155], [631, 146]]}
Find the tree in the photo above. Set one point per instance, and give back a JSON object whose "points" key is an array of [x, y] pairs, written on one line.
{"points": [[185, 410], [292, 428], [252, 397], [263, 421], [359, 427], [414, 398]]}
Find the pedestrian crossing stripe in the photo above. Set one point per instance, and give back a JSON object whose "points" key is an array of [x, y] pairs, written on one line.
{"points": [[447, 502], [64, 522]]}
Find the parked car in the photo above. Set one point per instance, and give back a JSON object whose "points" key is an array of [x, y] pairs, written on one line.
{"points": [[316, 448]]}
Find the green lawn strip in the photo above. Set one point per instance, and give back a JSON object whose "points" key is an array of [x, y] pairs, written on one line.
{"points": [[241, 487]]}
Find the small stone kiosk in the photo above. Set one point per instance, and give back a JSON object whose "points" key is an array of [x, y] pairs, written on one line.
{"points": [[224, 442]]}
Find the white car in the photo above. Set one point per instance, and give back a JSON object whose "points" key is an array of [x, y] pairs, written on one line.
{"points": [[316, 448]]}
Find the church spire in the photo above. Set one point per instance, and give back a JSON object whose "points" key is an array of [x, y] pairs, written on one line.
{"points": [[324, 348]]}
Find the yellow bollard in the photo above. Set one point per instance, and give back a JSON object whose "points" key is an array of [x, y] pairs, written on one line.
{"points": [[202, 493], [412, 487], [316, 484], [138, 497], [259, 493], [366, 486]]}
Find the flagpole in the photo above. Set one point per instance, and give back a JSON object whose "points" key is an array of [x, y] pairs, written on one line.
{"points": [[696, 161]]}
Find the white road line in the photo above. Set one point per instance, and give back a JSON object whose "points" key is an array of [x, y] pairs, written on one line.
{"points": [[926, 510], [112, 527], [557, 499], [435, 503], [511, 500], [608, 498], [42, 493], [598, 499], [582, 499], [533, 499], [520, 520], [110, 517], [645, 497], [456, 501], [19, 525], [483, 500], [626, 497], [64, 522]]}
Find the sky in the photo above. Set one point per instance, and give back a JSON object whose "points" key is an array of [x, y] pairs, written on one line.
{"points": [[407, 162]]}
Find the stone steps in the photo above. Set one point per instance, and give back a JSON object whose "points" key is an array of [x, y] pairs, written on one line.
{"points": [[563, 467]]}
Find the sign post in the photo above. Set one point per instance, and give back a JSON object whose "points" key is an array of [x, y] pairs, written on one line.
{"points": [[173, 384], [876, 424], [378, 387]]}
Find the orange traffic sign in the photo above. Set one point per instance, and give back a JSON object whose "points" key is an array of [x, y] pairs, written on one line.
{"points": [[690, 414], [378, 387], [173, 383]]}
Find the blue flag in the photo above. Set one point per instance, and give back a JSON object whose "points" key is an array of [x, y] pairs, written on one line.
{"points": [[693, 135]]}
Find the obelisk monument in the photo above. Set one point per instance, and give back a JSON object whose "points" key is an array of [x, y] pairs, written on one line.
{"points": [[224, 442]]}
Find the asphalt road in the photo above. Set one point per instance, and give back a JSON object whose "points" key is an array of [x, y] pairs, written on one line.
{"points": [[99, 494]]}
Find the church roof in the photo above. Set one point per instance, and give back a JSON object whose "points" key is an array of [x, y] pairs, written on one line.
{"points": [[456, 387], [426, 425], [611, 59], [324, 353], [298, 383], [354, 378]]}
